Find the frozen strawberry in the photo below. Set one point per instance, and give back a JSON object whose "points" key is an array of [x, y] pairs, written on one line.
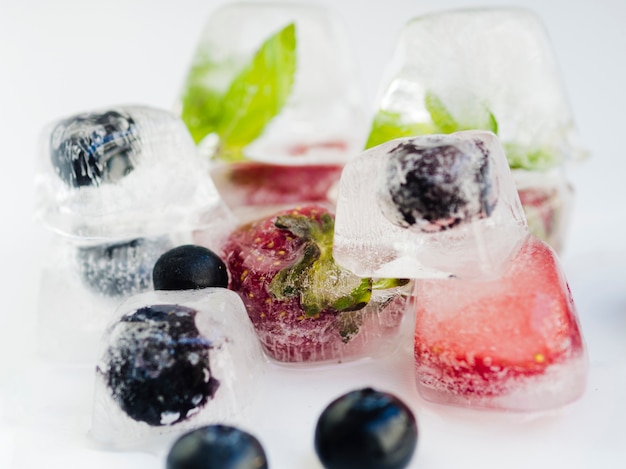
{"points": [[304, 306], [252, 183], [479, 340]]}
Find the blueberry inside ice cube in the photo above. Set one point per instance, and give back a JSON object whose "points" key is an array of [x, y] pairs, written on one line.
{"points": [[157, 368], [123, 268], [437, 186], [94, 148]]}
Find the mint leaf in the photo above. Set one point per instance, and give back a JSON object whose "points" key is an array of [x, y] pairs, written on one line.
{"points": [[257, 94], [201, 105], [520, 157], [388, 125], [440, 116]]}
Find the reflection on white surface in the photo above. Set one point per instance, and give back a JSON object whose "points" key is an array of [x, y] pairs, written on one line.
{"points": [[67, 56]]}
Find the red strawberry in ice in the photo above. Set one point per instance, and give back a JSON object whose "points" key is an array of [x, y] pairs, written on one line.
{"points": [[253, 183], [304, 306], [544, 211], [477, 342]]}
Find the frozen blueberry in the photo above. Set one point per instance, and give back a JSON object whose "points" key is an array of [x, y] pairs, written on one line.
{"points": [[436, 187], [217, 447], [189, 267], [120, 269], [157, 366], [366, 429], [94, 148]]}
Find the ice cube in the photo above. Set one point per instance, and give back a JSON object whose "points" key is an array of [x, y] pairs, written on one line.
{"points": [[274, 84], [122, 173], [430, 206], [304, 307], [513, 343], [81, 285], [488, 68], [174, 361]]}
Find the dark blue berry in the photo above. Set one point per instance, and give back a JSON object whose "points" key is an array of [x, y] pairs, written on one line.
{"points": [[157, 367], [95, 148], [188, 268], [120, 269], [217, 447], [366, 429], [437, 187]]}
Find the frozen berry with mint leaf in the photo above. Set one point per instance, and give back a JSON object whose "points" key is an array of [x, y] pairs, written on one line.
{"points": [[120, 269], [366, 429], [95, 148], [304, 307], [217, 447], [157, 365], [437, 185], [189, 267]]}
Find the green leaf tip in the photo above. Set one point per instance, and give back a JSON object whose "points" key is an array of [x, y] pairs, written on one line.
{"points": [[256, 94]]}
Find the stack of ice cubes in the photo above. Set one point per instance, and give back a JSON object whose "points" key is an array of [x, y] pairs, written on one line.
{"points": [[118, 187], [273, 98], [490, 69], [496, 325]]}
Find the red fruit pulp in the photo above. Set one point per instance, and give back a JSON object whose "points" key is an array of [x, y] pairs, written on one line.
{"points": [[252, 183], [478, 338]]}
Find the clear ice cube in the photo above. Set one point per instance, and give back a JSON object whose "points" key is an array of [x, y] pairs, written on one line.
{"points": [[429, 206], [513, 343], [488, 68], [105, 174], [173, 361], [273, 97], [81, 286]]}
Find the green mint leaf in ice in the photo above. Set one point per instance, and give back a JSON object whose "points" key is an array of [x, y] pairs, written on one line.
{"points": [[201, 105], [257, 94], [388, 125], [520, 157]]}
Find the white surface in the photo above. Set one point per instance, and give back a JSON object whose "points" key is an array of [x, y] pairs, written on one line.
{"points": [[66, 56]]}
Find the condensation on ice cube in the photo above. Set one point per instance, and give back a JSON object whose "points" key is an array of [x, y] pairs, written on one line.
{"points": [[429, 206], [311, 109], [172, 361], [124, 172], [82, 285], [513, 343], [483, 68]]}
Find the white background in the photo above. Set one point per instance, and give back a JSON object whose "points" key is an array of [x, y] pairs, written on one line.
{"points": [[58, 58]]}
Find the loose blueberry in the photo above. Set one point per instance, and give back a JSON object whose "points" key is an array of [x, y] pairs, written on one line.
{"points": [[366, 429], [90, 149], [157, 367], [120, 269], [436, 187], [189, 267], [217, 447]]}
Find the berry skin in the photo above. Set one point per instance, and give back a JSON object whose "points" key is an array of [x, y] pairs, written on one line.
{"points": [[189, 267], [366, 429], [95, 148], [120, 269], [436, 187], [304, 307], [216, 447], [157, 366]]}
